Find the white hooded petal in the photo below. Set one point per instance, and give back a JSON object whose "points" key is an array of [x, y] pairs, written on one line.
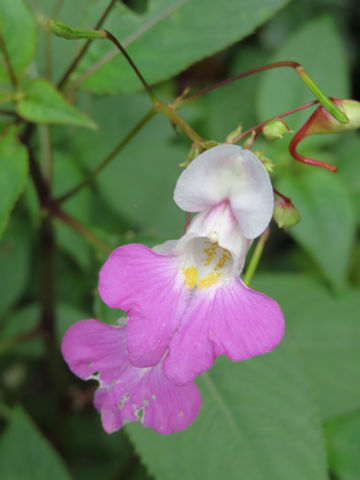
{"points": [[228, 172], [216, 226]]}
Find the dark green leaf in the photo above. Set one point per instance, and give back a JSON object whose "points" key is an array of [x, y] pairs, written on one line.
{"points": [[169, 37], [327, 226], [14, 265], [343, 438], [257, 421], [18, 29], [25, 454], [282, 89], [13, 174], [326, 331], [44, 104]]}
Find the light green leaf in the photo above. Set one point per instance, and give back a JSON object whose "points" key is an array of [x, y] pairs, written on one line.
{"points": [[25, 454], [14, 265], [169, 37], [257, 422], [44, 104], [327, 226], [18, 29], [325, 330], [282, 89], [13, 174]]}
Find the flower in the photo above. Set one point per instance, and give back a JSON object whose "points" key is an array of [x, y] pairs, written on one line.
{"points": [[95, 350], [185, 296]]}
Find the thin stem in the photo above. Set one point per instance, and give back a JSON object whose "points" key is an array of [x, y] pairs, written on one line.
{"points": [[84, 49], [174, 118], [187, 221], [9, 343], [46, 153], [90, 177], [281, 115], [35, 172], [324, 99], [255, 258], [57, 8], [125, 43], [116, 42], [8, 65], [82, 230]]}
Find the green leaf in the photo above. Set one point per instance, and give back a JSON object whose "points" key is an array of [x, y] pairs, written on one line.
{"points": [[14, 265], [327, 226], [44, 104], [169, 37], [130, 183], [257, 421], [18, 29], [13, 174], [67, 174], [20, 322], [282, 89], [325, 330], [25, 454], [343, 439]]}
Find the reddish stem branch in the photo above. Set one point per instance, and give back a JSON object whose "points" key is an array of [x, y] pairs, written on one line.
{"points": [[285, 63]]}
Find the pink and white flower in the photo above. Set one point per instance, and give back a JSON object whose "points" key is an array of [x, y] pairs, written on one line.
{"points": [[185, 296], [95, 350]]}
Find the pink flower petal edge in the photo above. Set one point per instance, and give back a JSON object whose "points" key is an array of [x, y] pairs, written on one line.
{"points": [[127, 394], [234, 320], [148, 287]]}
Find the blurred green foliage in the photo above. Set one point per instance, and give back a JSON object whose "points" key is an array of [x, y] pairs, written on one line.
{"points": [[291, 414]]}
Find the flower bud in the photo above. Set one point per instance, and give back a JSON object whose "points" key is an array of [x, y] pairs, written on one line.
{"points": [[285, 214], [268, 164], [275, 129], [234, 134], [70, 33]]}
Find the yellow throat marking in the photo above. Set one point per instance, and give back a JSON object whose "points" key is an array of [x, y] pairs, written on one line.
{"points": [[191, 276]]}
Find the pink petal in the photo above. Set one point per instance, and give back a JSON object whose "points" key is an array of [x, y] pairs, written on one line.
{"points": [[233, 320], [147, 285], [90, 347], [127, 393]]}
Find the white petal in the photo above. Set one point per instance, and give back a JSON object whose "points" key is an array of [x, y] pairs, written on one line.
{"points": [[228, 172], [219, 225]]}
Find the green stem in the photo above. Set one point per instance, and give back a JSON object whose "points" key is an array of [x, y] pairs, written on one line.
{"points": [[90, 177], [7, 60], [84, 49], [324, 99], [175, 119], [255, 258], [116, 42], [281, 115]]}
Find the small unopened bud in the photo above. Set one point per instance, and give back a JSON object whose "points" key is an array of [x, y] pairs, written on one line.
{"points": [[71, 33], [285, 214], [249, 142], [268, 164], [275, 129], [234, 134], [194, 151], [322, 122]]}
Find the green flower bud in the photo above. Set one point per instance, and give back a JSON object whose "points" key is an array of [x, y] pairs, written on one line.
{"points": [[285, 214], [275, 129], [61, 30]]}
